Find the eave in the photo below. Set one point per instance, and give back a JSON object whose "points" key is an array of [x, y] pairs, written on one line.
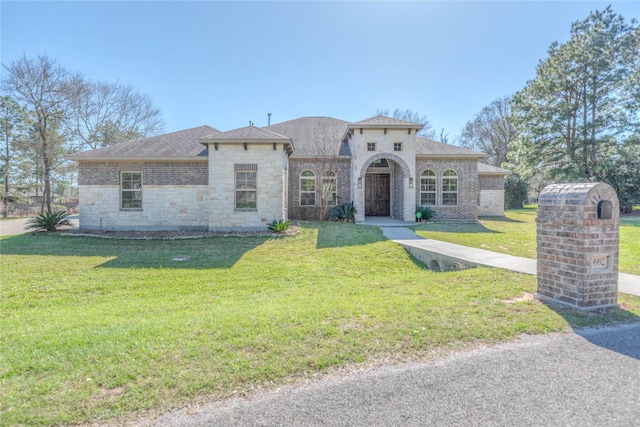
{"points": [[138, 159]]}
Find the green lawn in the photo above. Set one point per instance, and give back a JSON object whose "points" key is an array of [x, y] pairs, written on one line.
{"points": [[516, 235], [96, 330]]}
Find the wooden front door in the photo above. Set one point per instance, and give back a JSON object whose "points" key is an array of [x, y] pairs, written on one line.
{"points": [[377, 195]]}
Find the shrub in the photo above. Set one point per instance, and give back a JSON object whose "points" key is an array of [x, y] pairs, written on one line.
{"points": [[515, 192], [48, 221], [279, 226], [344, 213], [424, 213]]}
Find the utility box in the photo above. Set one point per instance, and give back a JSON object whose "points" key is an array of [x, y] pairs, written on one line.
{"points": [[578, 244]]}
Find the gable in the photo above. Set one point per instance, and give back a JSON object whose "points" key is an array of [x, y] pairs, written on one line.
{"points": [[314, 136]]}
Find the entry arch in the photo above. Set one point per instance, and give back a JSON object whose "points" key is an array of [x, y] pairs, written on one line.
{"points": [[406, 172]]}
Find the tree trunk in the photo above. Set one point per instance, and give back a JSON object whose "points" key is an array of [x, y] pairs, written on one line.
{"points": [[5, 202], [46, 193]]}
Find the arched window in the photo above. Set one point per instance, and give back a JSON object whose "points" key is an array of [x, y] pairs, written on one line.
{"points": [[449, 188], [329, 187], [307, 188], [428, 188]]}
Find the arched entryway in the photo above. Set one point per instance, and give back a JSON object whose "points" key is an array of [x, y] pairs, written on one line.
{"points": [[385, 177]]}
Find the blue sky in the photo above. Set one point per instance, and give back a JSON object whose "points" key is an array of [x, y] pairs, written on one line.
{"points": [[225, 63]]}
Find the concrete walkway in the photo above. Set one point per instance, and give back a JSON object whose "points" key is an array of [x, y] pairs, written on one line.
{"points": [[442, 255]]}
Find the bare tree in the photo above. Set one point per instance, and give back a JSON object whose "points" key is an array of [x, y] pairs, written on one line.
{"points": [[491, 131], [327, 152], [13, 128], [411, 116], [45, 88], [108, 113]]}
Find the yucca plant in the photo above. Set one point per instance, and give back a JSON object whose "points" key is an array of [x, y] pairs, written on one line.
{"points": [[279, 226], [48, 221], [344, 213], [423, 213]]}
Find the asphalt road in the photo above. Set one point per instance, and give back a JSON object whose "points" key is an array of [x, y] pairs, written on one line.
{"points": [[590, 378], [17, 226]]}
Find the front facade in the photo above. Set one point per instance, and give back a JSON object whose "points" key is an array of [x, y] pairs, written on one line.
{"points": [[245, 178]]}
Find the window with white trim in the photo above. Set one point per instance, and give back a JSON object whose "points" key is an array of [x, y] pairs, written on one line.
{"points": [[307, 188], [131, 190], [428, 188], [449, 188], [329, 188], [246, 187]]}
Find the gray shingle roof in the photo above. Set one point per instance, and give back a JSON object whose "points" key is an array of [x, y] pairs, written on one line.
{"points": [[380, 121], [181, 144], [313, 136], [485, 169], [431, 148], [244, 134]]}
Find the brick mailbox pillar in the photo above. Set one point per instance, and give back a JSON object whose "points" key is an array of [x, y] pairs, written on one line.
{"points": [[577, 235]]}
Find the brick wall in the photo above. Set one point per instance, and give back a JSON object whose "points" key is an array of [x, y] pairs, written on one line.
{"points": [[153, 173], [297, 165], [577, 249], [467, 170], [491, 182]]}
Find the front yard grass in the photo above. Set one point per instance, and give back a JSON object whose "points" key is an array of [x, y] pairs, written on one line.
{"points": [[101, 331], [515, 234]]}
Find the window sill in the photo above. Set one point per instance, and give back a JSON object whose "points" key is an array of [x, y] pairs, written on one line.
{"points": [[246, 210]]}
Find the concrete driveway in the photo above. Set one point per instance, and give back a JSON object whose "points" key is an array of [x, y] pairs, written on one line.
{"points": [[17, 226], [587, 378]]}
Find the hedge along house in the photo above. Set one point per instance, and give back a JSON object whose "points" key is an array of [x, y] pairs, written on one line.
{"points": [[242, 179]]}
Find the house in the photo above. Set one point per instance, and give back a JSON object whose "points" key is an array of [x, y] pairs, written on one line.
{"points": [[202, 178]]}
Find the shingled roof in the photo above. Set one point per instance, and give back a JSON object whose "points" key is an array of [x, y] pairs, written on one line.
{"points": [[314, 136], [384, 121], [485, 169], [431, 148], [249, 134], [245, 134], [181, 145]]}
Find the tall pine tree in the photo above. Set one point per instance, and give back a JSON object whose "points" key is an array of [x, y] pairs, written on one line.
{"points": [[580, 107]]}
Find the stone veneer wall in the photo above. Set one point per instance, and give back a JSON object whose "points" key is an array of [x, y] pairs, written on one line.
{"points": [[166, 207], [577, 247], [297, 165], [272, 169], [491, 196], [402, 207], [397, 192], [174, 196], [491, 203], [467, 170]]}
